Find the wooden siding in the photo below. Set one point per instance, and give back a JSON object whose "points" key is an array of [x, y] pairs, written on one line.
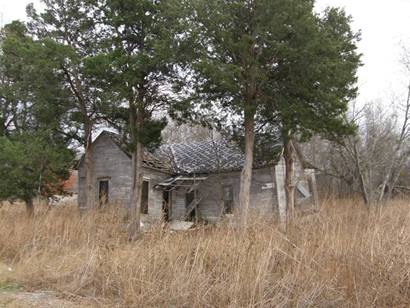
{"points": [[267, 192], [112, 164], [263, 194], [178, 205], [280, 188]]}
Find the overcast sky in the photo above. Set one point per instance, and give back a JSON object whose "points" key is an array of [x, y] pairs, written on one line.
{"points": [[385, 27]]}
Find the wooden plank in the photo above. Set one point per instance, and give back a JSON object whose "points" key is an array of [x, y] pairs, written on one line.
{"points": [[280, 188], [303, 190]]}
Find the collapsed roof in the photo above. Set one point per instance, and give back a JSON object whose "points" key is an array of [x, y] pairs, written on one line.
{"points": [[203, 157], [194, 158]]}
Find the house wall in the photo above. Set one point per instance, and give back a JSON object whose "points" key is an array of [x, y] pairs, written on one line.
{"points": [[267, 192], [155, 196], [263, 194], [178, 209], [112, 164]]}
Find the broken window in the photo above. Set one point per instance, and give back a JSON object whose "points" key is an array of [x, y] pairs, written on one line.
{"points": [[144, 197], [228, 199]]}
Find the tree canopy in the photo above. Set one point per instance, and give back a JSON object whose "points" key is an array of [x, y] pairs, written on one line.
{"points": [[261, 69], [272, 69]]}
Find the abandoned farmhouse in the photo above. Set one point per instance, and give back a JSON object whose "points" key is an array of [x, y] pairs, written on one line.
{"points": [[189, 181]]}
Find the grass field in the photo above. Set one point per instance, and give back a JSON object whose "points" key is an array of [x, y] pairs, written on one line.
{"points": [[343, 256]]}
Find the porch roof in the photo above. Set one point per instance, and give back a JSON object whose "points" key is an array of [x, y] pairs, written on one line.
{"points": [[180, 181]]}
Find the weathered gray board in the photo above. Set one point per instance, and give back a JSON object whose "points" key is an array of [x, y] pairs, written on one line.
{"points": [[263, 194], [113, 164], [280, 190]]}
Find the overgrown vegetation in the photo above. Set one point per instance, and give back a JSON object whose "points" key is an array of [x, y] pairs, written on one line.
{"points": [[343, 255]]}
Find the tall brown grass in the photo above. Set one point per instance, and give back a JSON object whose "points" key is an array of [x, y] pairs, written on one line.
{"points": [[342, 256]]}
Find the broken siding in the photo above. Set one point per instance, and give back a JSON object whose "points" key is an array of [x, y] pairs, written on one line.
{"points": [[301, 181], [263, 191], [280, 188]]}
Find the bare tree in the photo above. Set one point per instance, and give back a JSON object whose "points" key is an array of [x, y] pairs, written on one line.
{"points": [[174, 133], [360, 161], [400, 154]]}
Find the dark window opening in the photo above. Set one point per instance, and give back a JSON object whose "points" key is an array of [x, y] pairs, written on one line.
{"points": [[228, 199], [103, 192], [189, 199], [144, 197], [166, 205]]}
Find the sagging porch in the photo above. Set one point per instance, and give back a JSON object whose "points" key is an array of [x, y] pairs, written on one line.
{"points": [[181, 197]]}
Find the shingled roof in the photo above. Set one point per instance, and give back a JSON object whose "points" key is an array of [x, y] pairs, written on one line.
{"points": [[193, 158], [209, 157], [202, 157]]}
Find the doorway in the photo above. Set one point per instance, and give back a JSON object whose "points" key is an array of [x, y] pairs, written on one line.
{"points": [[189, 198]]}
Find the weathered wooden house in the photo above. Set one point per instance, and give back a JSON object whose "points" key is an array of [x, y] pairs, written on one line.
{"points": [[186, 181]]}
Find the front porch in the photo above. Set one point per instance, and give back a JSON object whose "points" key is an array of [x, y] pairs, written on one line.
{"points": [[181, 197]]}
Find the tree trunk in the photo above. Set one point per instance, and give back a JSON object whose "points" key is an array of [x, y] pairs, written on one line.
{"points": [[385, 181], [289, 153], [246, 175], [363, 188], [403, 136], [136, 123], [395, 178], [29, 207], [89, 174], [2, 127]]}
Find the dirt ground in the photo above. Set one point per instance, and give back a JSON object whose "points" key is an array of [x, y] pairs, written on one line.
{"points": [[13, 296], [21, 299]]}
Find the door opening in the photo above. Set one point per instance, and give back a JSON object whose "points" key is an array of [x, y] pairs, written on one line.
{"points": [[189, 198]]}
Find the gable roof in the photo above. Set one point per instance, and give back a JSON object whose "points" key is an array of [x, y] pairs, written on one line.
{"points": [[149, 160]]}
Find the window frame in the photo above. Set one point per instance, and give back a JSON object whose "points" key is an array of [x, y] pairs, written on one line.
{"points": [[228, 203]]}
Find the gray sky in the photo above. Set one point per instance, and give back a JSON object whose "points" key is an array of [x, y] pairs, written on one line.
{"points": [[385, 26]]}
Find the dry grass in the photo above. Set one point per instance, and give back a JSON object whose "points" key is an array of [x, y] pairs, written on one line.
{"points": [[343, 256]]}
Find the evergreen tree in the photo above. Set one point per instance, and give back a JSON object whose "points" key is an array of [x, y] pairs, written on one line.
{"points": [[314, 80], [235, 45], [34, 158], [272, 64], [32, 164], [70, 38], [138, 61], [26, 87]]}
